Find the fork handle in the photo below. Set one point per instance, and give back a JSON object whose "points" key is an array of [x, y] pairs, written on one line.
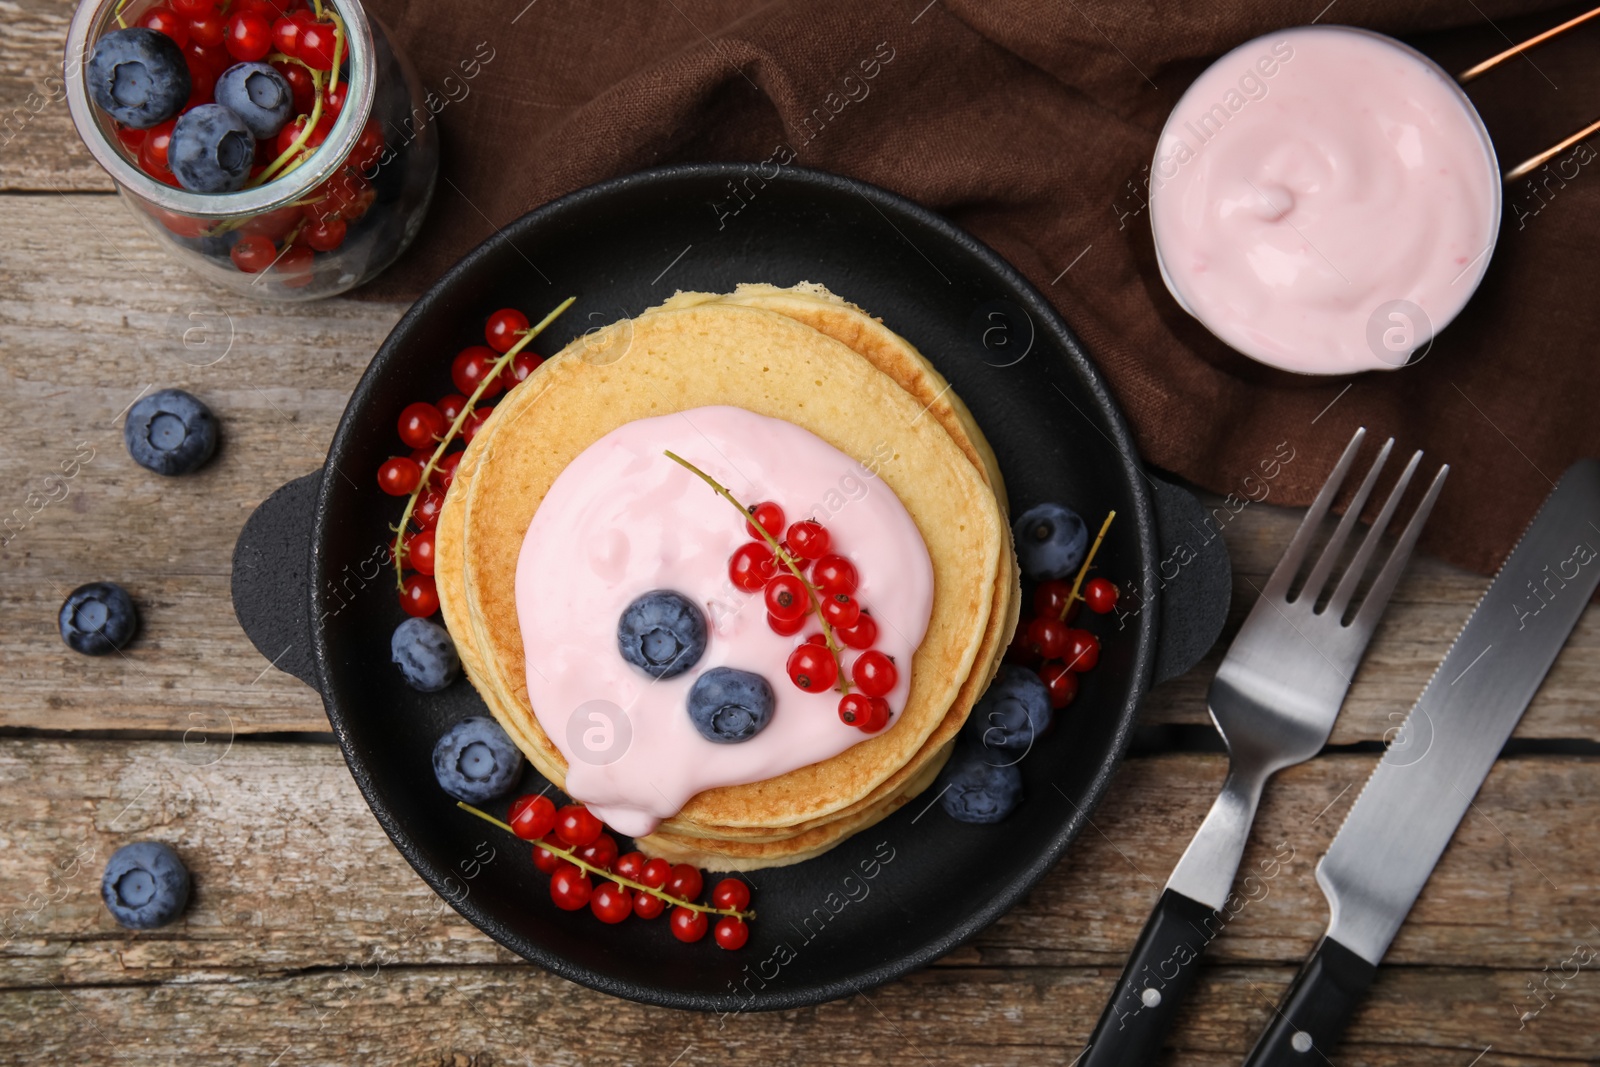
{"points": [[1158, 976]]}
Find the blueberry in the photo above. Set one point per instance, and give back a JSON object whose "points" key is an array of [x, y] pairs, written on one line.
{"points": [[976, 790], [1012, 712], [475, 760], [98, 618], [170, 432], [730, 706], [145, 885], [259, 95], [138, 77], [662, 633], [211, 150], [425, 653], [1051, 540]]}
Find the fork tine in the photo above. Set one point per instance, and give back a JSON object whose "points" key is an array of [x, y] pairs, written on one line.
{"points": [[1278, 585], [1378, 595], [1369, 544], [1341, 533]]}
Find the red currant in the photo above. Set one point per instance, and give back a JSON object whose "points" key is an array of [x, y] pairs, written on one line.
{"points": [[452, 406], [208, 30], [532, 816], [731, 894], [253, 253], [316, 44], [577, 825], [841, 610], [419, 552], [505, 328], [874, 673], [785, 627], [543, 858], [611, 903], [1062, 683], [290, 135], [648, 905], [426, 513], [296, 263], [523, 364], [835, 574], [422, 424], [731, 933], [274, 224], [855, 709], [878, 719], [570, 887], [768, 516], [808, 539], [1100, 595], [153, 152], [688, 925], [286, 35], [1051, 598], [249, 37], [325, 235], [366, 155], [812, 668], [655, 873], [751, 566], [163, 19], [630, 865], [787, 598], [419, 596], [1019, 651], [193, 8], [334, 97], [1047, 637], [685, 882], [601, 852], [800, 562], [474, 423], [399, 476], [131, 138], [861, 635], [472, 366], [300, 85], [445, 470], [1083, 650]]}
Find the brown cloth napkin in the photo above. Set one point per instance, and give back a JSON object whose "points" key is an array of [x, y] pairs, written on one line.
{"points": [[1030, 124]]}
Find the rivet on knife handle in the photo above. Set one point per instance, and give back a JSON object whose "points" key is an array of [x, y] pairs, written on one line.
{"points": [[1321, 1002]]}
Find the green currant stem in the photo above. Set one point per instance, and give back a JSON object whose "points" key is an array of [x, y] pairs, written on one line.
{"points": [[1083, 570], [836, 649], [455, 428], [610, 876], [338, 48]]}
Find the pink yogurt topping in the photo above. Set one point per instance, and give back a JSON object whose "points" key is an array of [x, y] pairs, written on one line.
{"points": [[623, 519], [1324, 199]]}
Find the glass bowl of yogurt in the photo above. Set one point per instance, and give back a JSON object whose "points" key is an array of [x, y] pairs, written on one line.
{"points": [[1324, 199]]}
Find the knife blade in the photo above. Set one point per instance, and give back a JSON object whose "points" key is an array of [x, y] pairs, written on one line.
{"points": [[1409, 809]]}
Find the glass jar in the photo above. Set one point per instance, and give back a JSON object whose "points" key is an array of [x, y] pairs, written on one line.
{"points": [[333, 219]]}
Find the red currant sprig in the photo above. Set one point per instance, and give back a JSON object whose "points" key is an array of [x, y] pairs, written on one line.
{"points": [[1083, 570]]}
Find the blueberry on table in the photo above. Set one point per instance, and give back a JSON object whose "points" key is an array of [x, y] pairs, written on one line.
{"points": [[170, 432], [98, 618], [972, 789], [1051, 540], [663, 633], [145, 885], [138, 77], [426, 655], [729, 706], [259, 95], [1012, 712], [211, 150], [475, 761]]}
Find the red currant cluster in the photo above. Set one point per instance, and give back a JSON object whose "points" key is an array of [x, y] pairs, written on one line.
{"points": [[571, 845], [801, 575], [1048, 643], [306, 44], [480, 373]]}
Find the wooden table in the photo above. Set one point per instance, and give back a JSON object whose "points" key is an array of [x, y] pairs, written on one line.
{"points": [[310, 941]]}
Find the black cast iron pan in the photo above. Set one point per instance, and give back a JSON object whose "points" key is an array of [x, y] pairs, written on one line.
{"points": [[310, 589]]}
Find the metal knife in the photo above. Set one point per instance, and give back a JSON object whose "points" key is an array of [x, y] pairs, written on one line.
{"points": [[1405, 816]]}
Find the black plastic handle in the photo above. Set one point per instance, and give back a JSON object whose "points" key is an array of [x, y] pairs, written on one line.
{"points": [[1159, 974], [1305, 1029], [271, 577]]}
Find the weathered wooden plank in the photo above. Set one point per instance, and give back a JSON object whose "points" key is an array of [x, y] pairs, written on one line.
{"points": [[75, 356], [39, 149]]}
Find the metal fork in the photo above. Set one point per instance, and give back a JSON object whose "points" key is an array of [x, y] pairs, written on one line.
{"points": [[1274, 700]]}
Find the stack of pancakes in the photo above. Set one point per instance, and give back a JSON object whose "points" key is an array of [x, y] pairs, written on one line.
{"points": [[798, 354]]}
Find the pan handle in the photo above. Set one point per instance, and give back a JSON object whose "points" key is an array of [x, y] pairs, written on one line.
{"points": [[1194, 579], [271, 577]]}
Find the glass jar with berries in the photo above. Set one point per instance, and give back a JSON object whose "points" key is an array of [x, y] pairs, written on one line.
{"points": [[274, 146]]}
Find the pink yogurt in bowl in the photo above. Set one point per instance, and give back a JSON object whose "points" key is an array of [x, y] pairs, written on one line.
{"points": [[1324, 199]]}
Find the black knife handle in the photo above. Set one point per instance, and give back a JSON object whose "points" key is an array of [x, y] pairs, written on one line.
{"points": [[1305, 1029], [1159, 974]]}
